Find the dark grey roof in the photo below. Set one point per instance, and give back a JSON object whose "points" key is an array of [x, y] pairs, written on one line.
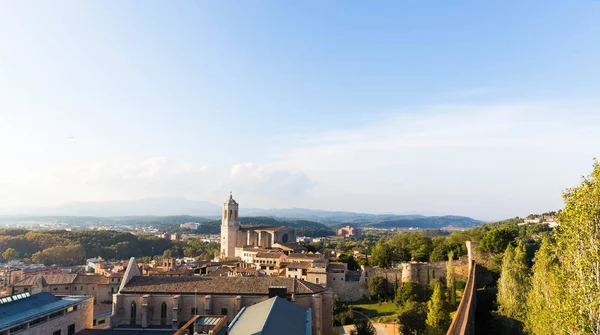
{"points": [[37, 305], [273, 316]]}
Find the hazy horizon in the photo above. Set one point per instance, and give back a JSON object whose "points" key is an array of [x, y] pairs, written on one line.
{"points": [[480, 109]]}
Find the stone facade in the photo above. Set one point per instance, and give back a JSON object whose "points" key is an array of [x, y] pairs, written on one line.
{"points": [[235, 237], [159, 300], [96, 286]]}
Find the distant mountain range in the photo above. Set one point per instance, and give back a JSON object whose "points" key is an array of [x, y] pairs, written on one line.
{"points": [[181, 206]]}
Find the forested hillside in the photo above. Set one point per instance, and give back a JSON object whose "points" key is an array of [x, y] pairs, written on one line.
{"points": [[66, 248]]}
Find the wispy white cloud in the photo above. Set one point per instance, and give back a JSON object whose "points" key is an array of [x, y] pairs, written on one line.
{"points": [[486, 160]]}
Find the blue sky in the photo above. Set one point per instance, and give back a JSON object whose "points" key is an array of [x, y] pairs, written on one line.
{"points": [[480, 108]]}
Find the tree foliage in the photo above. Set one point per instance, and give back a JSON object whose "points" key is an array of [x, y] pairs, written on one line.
{"points": [[543, 300], [578, 247], [451, 280], [438, 319], [513, 285], [410, 291], [10, 254], [497, 239], [61, 255], [378, 287], [363, 327], [412, 317]]}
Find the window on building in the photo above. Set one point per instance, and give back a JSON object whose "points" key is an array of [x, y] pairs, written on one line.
{"points": [[71, 329], [36, 321], [94, 323], [17, 329], [317, 280], [55, 314], [132, 313], [112, 290], [66, 288], [57, 332], [103, 321], [223, 311], [54, 289], [16, 290], [25, 289], [193, 311], [163, 313]]}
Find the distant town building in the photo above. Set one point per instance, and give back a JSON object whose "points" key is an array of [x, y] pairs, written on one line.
{"points": [[349, 232], [190, 225], [44, 313], [92, 263]]}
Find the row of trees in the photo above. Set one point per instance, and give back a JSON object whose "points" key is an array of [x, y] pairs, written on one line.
{"points": [[404, 247], [560, 293]]}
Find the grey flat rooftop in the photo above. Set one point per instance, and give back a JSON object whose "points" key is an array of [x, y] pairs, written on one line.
{"points": [[273, 316], [31, 307]]}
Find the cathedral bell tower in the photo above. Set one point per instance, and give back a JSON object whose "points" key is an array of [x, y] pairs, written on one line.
{"points": [[230, 226]]}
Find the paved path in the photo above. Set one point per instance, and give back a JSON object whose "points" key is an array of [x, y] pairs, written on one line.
{"points": [[381, 328]]}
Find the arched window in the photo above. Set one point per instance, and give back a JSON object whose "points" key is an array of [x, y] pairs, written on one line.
{"points": [[133, 313], [163, 313], [235, 215], [225, 214], [230, 211]]}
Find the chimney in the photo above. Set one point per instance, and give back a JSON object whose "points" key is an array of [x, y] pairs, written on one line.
{"points": [[277, 291]]}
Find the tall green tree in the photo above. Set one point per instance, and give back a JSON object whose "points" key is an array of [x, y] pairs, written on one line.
{"points": [[10, 254], [412, 317], [363, 327], [513, 285], [377, 287], [543, 300], [450, 280], [410, 291], [438, 319], [578, 247], [497, 239], [383, 255]]}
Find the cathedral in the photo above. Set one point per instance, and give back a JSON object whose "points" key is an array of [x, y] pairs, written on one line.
{"points": [[235, 237]]}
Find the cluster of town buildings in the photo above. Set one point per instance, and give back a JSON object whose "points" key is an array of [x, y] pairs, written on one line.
{"points": [[263, 280]]}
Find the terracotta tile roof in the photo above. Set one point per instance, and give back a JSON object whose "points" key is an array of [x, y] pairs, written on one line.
{"points": [[49, 279], [119, 274], [275, 255], [222, 272], [299, 265], [304, 256], [217, 285], [91, 279]]}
